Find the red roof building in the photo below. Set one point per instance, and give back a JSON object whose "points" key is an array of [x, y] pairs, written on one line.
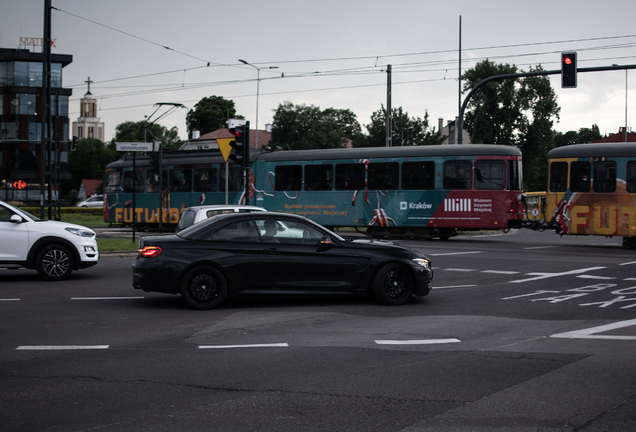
{"points": [[622, 136]]}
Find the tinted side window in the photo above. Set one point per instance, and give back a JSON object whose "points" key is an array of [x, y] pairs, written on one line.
{"points": [[558, 176], [631, 177], [5, 214], [350, 176], [457, 175], [580, 176], [205, 180], [187, 219], [241, 232], [490, 175], [605, 177], [318, 177], [384, 175], [288, 177], [515, 175], [418, 175]]}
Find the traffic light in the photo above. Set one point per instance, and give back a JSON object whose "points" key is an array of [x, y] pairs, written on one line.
{"points": [[74, 143], [241, 145], [568, 70]]}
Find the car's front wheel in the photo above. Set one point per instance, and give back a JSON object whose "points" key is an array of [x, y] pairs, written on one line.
{"points": [[392, 284], [54, 262], [204, 287]]}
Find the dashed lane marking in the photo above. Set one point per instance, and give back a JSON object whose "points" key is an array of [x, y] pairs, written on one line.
{"points": [[272, 345], [417, 342], [60, 347], [106, 298], [456, 253]]}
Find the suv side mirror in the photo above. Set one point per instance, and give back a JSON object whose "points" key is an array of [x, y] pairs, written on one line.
{"points": [[16, 219]]}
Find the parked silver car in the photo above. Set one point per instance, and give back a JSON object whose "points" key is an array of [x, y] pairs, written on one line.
{"points": [[94, 201], [192, 215]]}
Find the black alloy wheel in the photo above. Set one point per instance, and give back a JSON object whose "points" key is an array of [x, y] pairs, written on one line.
{"points": [[392, 284], [204, 287], [54, 262]]}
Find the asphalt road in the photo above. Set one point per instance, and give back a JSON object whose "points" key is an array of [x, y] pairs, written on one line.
{"points": [[523, 332]]}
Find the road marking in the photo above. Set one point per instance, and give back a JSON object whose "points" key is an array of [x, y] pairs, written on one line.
{"points": [[456, 253], [630, 279], [454, 286], [549, 275], [10, 299], [459, 270], [628, 263], [416, 342], [503, 272], [539, 247], [60, 347], [595, 277], [105, 298], [272, 345], [590, 333]]}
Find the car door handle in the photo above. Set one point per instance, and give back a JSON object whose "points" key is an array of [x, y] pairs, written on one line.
{"points": [[272, 250]]}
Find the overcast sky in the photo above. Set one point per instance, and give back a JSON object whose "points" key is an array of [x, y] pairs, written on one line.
{"points": [[332, 53]]}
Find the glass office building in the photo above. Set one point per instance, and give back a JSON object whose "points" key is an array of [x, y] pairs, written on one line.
{"points": [[21, 118]]}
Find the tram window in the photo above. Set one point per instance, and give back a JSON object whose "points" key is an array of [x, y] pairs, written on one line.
{"points": [[457, 175], [418, 175], [350, 176], [205, 179], [318, 177], [558, 176], [152, 181], [112, 182], [180, 180], [580, 177], [140, 179], [383, 175], [631, 177], [514, 175], [490, 175], [605, 177], [235, 182], [288, 177]]}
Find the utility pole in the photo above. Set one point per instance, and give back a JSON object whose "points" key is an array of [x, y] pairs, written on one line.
{"points": [[389, 112]]}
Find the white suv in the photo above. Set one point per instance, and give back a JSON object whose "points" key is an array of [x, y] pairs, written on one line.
{"points": [[52, 248]]}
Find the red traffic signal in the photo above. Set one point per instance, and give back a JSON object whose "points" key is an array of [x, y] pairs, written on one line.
{"points": [[568, 70]]}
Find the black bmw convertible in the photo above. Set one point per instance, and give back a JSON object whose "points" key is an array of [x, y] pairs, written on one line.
{"points": [[264, 253]]}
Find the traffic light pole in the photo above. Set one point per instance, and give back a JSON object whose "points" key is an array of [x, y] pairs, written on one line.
{"points": [[460, 120]]}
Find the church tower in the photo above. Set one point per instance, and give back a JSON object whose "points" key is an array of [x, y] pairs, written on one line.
{"points": [[88, 124]]}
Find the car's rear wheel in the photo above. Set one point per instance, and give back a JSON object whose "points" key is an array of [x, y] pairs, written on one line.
{"points": [[204, 287], [392, 284], [54, 262]]}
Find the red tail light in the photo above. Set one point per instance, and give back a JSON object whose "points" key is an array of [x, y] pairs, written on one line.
{"points": [[150, 251]]}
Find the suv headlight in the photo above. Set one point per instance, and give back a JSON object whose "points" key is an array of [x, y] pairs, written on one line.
{"points": [[423, 262], [81, 232]]}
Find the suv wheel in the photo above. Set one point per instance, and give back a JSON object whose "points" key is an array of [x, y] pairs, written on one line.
{"points": [[54, 262]]}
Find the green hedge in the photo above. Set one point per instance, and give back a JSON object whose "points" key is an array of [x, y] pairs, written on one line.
{"points": [[68, 210]]}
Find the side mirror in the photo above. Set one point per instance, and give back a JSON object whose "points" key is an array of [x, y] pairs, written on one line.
{"points": [[16, 219], [325, 243]]}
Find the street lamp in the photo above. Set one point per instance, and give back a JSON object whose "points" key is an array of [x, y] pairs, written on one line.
{"points": [[402, 140], [625, 102], [258, 82]]}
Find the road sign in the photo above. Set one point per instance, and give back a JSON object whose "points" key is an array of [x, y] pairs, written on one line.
{"points": [[224, 146], [134, 146]]}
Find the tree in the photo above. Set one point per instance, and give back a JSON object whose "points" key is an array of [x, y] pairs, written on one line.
{"points": [[518, 112], [539, 106], [210, 113], [134, 132], [584, 135], [89, 160], [493, 112], [414, 129], [301, 127]]}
